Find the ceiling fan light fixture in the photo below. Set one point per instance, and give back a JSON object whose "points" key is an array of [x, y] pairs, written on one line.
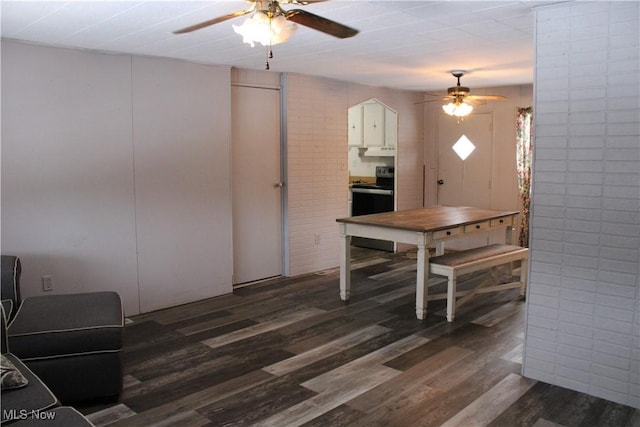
{"points": [[259, 28], [458, 109]]}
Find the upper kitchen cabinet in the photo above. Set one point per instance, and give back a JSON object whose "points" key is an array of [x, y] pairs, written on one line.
{"points": [[355, 126], [374, 126], [390, 128]]}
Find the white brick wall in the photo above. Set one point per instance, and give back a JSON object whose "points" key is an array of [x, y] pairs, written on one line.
{"points": [[583, 302], [317, 170]]}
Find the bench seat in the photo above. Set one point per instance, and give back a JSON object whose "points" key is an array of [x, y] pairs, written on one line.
{"points": [[455, 264]]}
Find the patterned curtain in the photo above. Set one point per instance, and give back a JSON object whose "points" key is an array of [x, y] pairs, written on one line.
{"points": [[524, 152]]}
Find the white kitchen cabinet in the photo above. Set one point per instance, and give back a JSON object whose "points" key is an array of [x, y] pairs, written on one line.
{"points": [[373, 126], [390, 128], [355, 126]]}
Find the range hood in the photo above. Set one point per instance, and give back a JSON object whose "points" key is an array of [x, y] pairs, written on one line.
{"points": [[380, 151]]}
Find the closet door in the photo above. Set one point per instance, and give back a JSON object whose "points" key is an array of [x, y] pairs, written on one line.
{"points": [[257, 195]]}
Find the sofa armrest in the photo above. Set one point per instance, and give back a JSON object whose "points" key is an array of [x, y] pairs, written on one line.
{"points": [[11, 269]]}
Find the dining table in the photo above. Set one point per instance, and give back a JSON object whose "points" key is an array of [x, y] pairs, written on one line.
{"points": [[424, 228]]}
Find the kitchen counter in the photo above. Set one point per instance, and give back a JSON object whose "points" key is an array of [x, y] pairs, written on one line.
{"points": [[361, 180]]}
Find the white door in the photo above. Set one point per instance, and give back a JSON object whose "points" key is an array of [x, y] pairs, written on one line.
{"points": [[465, 182], [257, 211]]}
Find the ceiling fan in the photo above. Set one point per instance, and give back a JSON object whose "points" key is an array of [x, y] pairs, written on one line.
{"points": [[270, 24], [272, 9], [460, 102]]}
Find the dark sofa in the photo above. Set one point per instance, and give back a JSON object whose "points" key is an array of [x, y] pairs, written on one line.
{"points": [[72, 342], [26, 400]]}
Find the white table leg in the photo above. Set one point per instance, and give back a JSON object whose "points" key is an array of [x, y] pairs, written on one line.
{"points": [[422, 280], [524, 271], [510, 239], [451, 296], [510, 236], [345, 263]]}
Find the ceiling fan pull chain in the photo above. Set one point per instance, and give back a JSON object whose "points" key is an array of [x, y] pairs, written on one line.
{"points": [[269, 51], [269, 56]]}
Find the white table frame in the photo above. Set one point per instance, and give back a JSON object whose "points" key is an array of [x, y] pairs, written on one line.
{"points": [[422, 239]]}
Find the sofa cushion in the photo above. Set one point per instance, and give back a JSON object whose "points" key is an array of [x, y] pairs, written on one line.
{"points": [[34, 397], [11, 376], [64, 325]]}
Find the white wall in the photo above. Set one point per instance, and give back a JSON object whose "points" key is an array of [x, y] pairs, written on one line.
{"points": [[67, 170], [583, 302], [115, 174], [182, 134]]}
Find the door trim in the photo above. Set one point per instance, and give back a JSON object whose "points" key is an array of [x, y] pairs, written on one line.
{"points": [[284, 92]]}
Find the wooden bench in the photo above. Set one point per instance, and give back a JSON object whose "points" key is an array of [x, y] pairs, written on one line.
{"points": [[455, 264]]}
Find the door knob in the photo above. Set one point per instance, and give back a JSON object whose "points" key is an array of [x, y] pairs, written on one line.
{"points": [[278, 184], [440, 181]]}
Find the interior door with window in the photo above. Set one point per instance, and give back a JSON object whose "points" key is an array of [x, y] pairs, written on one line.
{"points": [[257, 192]]}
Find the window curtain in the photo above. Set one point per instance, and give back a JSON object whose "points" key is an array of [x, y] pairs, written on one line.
{"points": [[524, 154]]}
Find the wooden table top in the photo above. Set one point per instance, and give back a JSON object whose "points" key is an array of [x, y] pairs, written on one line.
{"points": [[428, 219]]}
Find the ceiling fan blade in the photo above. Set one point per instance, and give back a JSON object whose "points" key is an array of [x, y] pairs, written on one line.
{"points": [[474, 101], [486, 97], [303, 2], [319, 23], [445, 98], [214, 21], [435, 94]]}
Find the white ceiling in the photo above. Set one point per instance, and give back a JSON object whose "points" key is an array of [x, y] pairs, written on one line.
{"points": [[402, 44]]}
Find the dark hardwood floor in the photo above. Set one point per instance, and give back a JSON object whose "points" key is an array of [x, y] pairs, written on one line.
{"points": [[288, 352]]}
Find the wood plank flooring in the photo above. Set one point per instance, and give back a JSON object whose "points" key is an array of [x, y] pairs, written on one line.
{"points": [[289, 352]]}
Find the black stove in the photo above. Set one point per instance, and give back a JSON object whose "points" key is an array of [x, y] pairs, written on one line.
{"points": [[385, 179], [371, 199]]}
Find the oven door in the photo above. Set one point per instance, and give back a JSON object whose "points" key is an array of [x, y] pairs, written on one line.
{"points": [[367, 201], [371, 200]]}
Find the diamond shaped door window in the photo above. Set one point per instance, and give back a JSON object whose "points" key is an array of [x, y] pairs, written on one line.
{"points": [[463, 147]]}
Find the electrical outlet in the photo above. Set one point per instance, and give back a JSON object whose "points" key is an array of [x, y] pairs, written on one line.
{"points": [[47, 283], [317, 239]]}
